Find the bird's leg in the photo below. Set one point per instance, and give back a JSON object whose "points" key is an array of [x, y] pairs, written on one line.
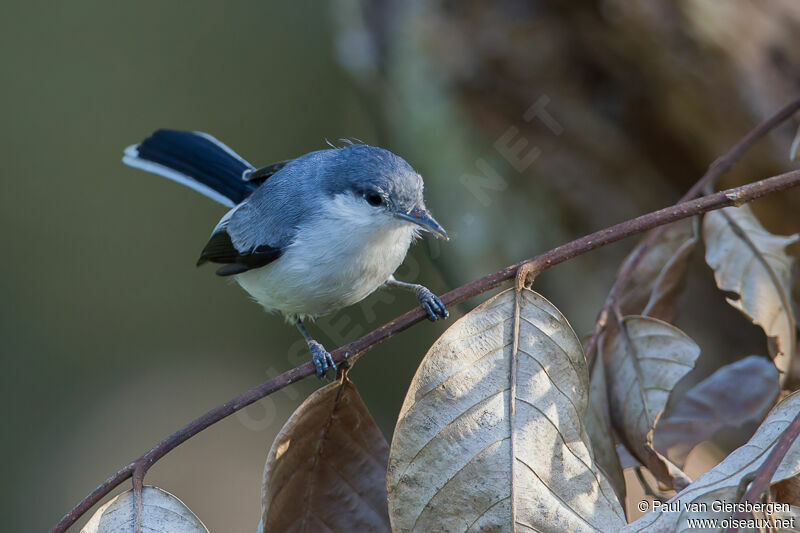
{"points": [[319, 355], [430, 302]]}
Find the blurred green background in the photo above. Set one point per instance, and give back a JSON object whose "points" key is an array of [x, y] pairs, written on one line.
{"points": [[111, 339]]}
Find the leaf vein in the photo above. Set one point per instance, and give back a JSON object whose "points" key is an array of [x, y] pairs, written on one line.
{"points": [[480, 452]]}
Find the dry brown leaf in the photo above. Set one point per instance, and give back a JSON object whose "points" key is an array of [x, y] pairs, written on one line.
{"points": [[788, 491], [598, 426], [491, 434], [326, 469], [721, 482], [161, 513], [752, 263], [658, 279], [643, 362], [734, 395]]}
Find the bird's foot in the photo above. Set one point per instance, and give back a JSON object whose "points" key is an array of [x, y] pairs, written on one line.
{"points": [[321, 358], [431, 303]]}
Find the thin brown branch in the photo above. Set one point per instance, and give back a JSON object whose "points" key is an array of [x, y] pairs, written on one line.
{"points": [[355, 349], [761, 482], [705, 183], [95, 496]]}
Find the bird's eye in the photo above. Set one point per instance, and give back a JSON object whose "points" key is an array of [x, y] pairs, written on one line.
{"points": [[373, 199]]}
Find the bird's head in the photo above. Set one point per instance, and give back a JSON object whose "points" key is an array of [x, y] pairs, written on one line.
{"points": [[381, 186]]}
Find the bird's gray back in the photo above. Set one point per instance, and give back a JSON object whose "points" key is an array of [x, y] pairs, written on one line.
{"points": [[273, 212]]}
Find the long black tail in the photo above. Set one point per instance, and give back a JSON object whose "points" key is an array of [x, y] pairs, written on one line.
{"points": [[196, 160]]}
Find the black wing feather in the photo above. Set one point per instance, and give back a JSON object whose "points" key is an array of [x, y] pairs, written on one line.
{"points": [[260, 175], [220, 249]]}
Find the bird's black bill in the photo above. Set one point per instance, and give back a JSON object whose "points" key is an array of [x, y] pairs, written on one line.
{"points": [[423, 219]]}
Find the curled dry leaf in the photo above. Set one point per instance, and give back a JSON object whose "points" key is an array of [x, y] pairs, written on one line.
{"points": [[598, 426], [643, 362], [326, 469], [752, 263], [734, 395], [491, 434], [161, 513], [787, 491], [721, 482], [658, 279]]}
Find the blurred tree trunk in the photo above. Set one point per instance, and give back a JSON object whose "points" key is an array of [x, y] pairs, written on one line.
{"points": [[641, 98]]}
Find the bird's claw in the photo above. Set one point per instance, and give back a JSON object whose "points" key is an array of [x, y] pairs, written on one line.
{"points": [[432, 305], [321, 358]]}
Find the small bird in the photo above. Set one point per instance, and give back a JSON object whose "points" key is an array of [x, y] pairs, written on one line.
{"points": [[306, 236]]}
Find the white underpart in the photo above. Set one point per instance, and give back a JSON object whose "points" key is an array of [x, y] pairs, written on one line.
{"points": [[337, 259], [132, 159]]}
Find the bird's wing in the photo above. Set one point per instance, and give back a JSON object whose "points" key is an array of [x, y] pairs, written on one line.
{"points": [[220, 249], [261, 174], [258, 230]]}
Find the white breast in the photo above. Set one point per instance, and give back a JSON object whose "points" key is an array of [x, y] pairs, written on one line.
{"points": [[336, 260]]}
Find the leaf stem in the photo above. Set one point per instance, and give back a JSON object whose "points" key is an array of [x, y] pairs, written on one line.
{"points": [[768, 468]]}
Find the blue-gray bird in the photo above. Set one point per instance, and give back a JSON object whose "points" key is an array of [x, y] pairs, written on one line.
{"points": [[306, 236]]}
